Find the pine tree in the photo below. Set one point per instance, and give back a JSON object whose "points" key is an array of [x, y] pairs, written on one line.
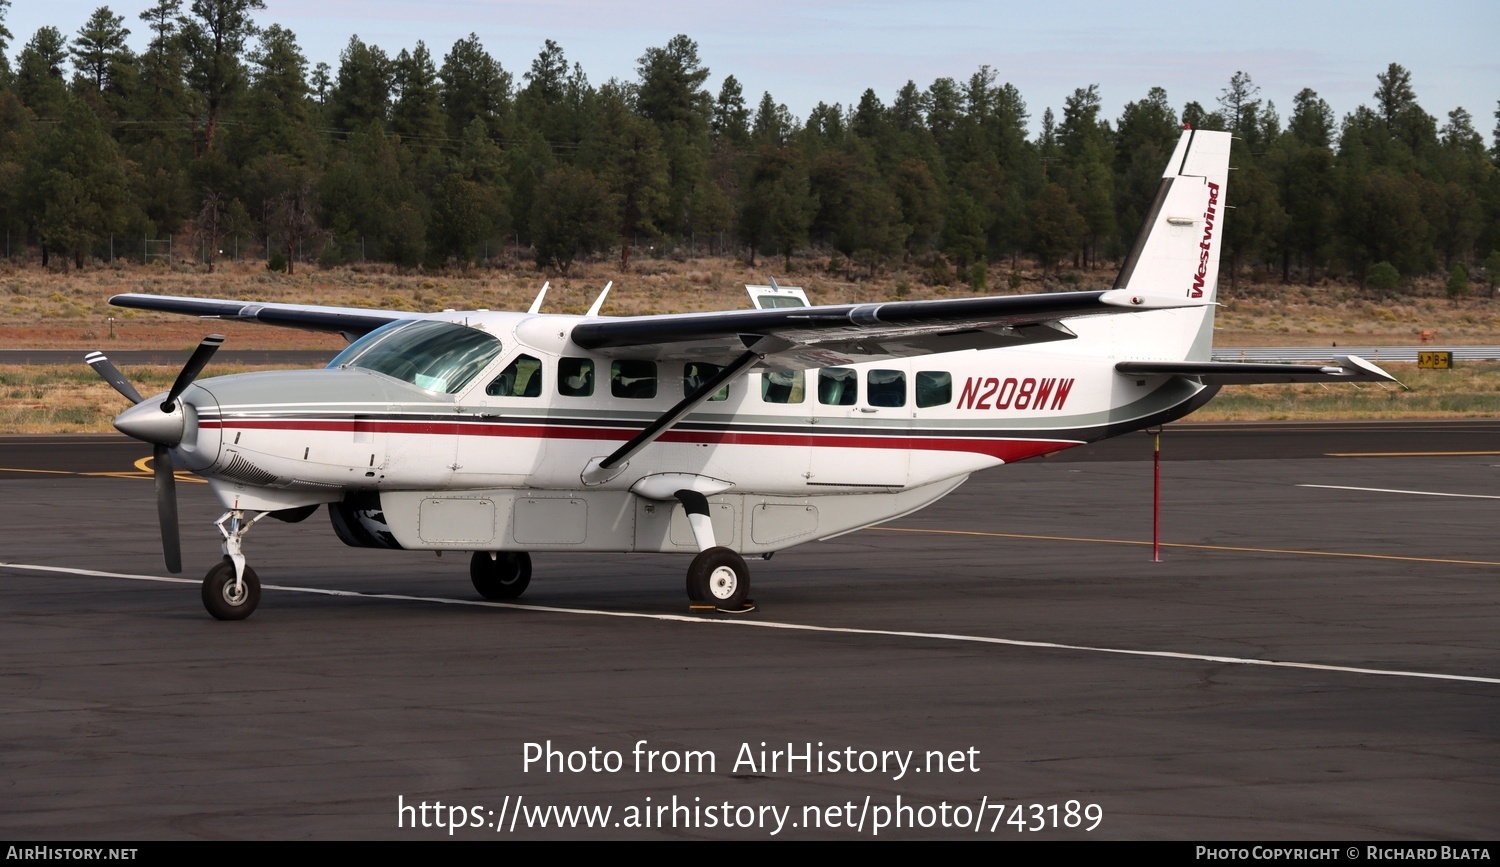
{"points": [[1054, 224], [671, 96], [731, 119], [625, 151], [214, 35], [5, 38], [39, 73], [76, 184], [99, 46], [417, 113], [279, 105], [362, 95], [475, 86], [573, 215]]}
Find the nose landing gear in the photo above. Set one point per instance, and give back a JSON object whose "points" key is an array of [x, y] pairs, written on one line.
{"points": [[228, 596], [231, 589]]}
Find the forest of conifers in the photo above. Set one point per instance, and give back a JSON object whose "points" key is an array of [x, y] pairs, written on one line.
{"points": [[222, 136]]}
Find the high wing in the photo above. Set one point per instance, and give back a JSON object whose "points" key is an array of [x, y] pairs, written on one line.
{"points": [[795, 338], [349, 321]]}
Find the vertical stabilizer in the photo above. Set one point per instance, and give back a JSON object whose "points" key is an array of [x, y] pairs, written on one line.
{"points": [[1177, 251]]}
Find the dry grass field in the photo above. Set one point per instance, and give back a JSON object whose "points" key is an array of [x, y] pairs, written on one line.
{"points": [[69, 310]]}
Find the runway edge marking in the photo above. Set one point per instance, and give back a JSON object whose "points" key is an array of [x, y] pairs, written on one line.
{"points": [[1397, 491], [794, 627]]}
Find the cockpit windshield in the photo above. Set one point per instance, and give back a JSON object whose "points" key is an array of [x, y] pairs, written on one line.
{"points": [[437, 356]]}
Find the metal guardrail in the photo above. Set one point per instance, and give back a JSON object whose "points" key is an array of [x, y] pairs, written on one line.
{"points": [[1308, 354]]}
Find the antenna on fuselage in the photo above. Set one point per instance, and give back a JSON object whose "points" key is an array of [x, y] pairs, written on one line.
{"points": [[536, 306], [599, 302]]}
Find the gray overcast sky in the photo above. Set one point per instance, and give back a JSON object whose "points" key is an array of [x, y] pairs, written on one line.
{"points": [[804, 52]]}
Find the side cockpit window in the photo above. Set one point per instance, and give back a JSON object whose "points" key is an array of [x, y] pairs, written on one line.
{"points": [[521, 378]]}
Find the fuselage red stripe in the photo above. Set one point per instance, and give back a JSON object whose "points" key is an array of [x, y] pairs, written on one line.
{"points": [[1006, 447]]}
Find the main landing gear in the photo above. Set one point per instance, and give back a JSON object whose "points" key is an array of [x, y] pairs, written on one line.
{"points": [[717, 576], [231, 589], [500, 575]]}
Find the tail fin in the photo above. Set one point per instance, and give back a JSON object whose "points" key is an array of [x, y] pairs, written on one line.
{"points": [[1177, 251]]}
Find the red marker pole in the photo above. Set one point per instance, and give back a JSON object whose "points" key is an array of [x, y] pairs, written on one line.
{"points": [[1156, 502]]}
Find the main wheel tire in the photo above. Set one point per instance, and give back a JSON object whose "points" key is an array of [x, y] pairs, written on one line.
{"points": [[719, 577], [219, 595], [505, 577]]}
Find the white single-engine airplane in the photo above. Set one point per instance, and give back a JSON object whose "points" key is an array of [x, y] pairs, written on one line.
{"points": [[504, 433]]}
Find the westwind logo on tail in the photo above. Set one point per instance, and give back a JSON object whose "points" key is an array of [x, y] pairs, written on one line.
{"points": [[1207, 242]]}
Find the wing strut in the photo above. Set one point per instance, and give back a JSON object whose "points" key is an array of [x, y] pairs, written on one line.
{"points": [[601, 470]]}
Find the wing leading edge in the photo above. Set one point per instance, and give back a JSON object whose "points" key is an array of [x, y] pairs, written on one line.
{"points": [[352, 321]]}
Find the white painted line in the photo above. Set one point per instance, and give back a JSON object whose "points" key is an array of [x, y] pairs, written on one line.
{"points": [[1394, 491], [796, 627]]}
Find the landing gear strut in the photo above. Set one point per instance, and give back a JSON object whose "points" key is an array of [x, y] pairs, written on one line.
{"points": [[231, 589]]}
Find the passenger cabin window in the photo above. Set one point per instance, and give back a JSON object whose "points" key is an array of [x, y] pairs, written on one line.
{"points": [[934, 388], [696, 373], [838, 386], [635, 380], [575, 377], [520, 378], [886, 387], [783, 386]]}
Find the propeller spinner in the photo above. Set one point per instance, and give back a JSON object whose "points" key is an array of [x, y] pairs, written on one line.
{"points": [[161, 423]]}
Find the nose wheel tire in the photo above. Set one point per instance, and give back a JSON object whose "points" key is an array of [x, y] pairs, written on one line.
{"points": [[719, 577], [504, 577], [226, 601]]}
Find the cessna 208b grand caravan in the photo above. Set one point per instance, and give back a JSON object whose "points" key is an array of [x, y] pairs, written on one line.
{"points": [[503, 433]]}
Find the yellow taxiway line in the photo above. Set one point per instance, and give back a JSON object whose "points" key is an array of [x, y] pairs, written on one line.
{"points": [[142, 466], [1235, 548]]}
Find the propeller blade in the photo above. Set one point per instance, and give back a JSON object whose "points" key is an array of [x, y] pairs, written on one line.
{"points": [[111, 374], [166, 507], [194, 366]]}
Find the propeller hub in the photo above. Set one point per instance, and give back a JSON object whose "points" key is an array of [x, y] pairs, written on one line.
{"points": [[149, 422]]}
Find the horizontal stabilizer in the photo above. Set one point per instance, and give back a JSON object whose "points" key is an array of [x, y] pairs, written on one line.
{"points": [[1350, 368]]}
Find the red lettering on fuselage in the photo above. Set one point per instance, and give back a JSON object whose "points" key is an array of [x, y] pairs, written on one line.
{"points": [[1012, 393], [1043, 391], [1063, 387], [989, 392], [967, 396]]}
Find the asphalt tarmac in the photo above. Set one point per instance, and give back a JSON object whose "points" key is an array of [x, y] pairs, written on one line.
{"points": [[1316, 657]]}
